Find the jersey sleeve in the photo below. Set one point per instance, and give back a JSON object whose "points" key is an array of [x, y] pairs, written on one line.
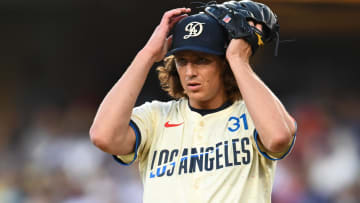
{"points": [[128, 159], [273, 155], [260, 147], [143, 121]]}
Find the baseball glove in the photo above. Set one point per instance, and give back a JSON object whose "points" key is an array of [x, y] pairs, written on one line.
{"points": [[234, 16]]}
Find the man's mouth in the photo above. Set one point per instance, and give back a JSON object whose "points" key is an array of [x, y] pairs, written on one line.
{"points": [[193, 86]]}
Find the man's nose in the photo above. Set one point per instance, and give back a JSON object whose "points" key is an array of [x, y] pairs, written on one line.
{"points": [[190, 70]]}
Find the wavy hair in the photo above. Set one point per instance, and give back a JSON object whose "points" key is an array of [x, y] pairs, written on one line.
{"points": [[170, 81]]}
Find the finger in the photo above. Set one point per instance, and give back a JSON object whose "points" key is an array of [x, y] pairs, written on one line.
{"points": [[251, 23], [169, 41], [179, 11], [259, 26], [177, 19], [174, 12]]}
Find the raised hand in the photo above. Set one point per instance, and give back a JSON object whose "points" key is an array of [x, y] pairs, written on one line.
{"points": [[159, 42], [240, 48]]}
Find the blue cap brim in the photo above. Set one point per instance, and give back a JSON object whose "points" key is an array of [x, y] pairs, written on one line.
{"points": [[195, 48]]}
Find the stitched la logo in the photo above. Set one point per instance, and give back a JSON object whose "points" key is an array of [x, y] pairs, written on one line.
{"points": [[194, 29]]}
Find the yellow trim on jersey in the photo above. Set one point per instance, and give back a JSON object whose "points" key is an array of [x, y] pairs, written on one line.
{"points": [[128, 158]]}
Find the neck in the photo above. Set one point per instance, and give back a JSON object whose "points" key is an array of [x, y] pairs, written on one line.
{"points": [[207, 104]]}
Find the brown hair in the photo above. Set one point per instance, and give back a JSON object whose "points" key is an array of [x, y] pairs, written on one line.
{"points": [[170, 80]]}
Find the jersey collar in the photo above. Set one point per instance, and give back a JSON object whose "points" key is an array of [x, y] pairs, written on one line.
{"points": [[204, 112]]}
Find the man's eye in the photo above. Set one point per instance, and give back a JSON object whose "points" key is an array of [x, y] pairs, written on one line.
{"points": [[202, 60], [181, 62]]}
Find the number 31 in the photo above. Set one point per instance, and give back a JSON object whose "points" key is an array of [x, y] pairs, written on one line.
{"points": [[236, 122]]}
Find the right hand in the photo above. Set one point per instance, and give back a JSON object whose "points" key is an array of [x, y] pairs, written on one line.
{"points": [[159, 42], [240, 48]]}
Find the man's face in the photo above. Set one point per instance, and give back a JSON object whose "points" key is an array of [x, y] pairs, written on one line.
{"points": [[201, 76]]}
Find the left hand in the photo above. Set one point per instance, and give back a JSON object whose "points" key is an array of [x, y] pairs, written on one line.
{"points": [[239, 48]]}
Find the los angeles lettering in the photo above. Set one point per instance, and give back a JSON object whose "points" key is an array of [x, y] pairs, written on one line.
{"points": [[200, 159]]}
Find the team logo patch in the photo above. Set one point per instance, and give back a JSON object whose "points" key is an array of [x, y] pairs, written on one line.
{"points": [[194, 28]]}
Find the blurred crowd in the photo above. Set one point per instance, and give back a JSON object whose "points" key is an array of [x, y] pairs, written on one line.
{"points": [[51, 158], [324, 165]]}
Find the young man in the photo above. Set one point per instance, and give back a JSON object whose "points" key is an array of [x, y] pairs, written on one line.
{"points": [[219, 139]]}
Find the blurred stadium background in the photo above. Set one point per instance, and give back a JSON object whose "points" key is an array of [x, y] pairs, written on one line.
{"points": [[59, 58]]}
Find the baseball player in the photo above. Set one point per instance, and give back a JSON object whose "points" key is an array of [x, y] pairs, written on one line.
{"points": [[219, 139]]}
